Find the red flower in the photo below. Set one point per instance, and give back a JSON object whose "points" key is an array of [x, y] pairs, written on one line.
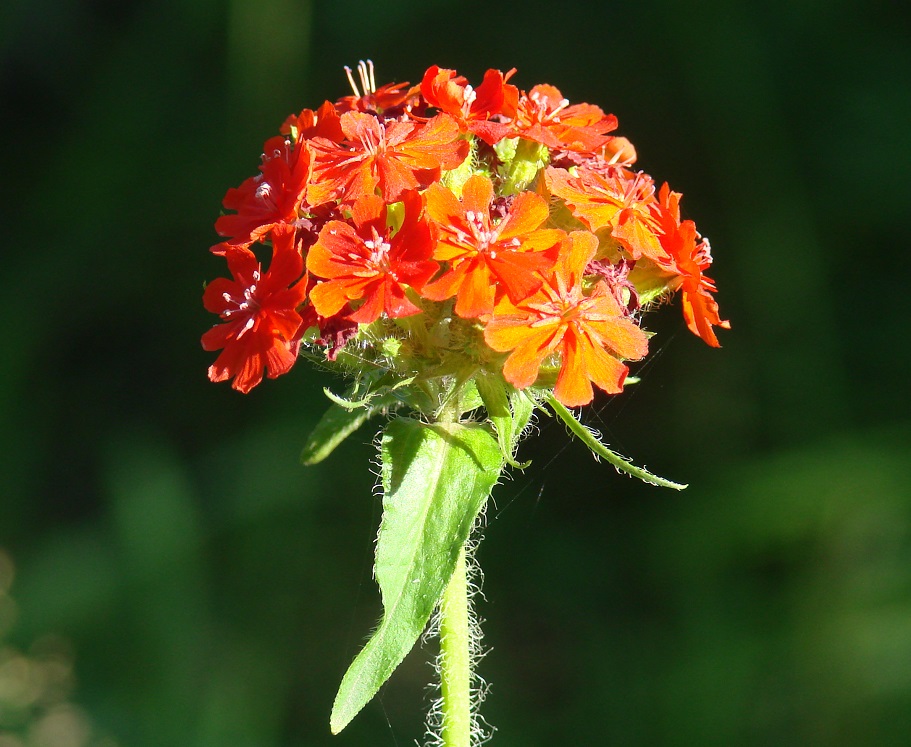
{"points": [[622, 204], [363, 261], [690, 255], [259, 312], [472, 108], [392, 156], [324, 122], [270, 198], [589, 332], [511, 255], [392, 96], [546, 117]]}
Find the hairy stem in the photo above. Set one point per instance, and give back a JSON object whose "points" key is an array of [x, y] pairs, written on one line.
{"points": [[455, 660]]}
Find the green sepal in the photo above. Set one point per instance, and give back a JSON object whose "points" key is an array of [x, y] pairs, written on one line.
{"points": [[455, 179], [334, 427], [498, 405], [506, 149], [436, 478], [652, 284], [348, 404], [520, 171], [382, 391], [591, 439], [523, 407]]}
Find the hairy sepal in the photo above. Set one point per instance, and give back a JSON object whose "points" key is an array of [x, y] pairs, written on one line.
{"points": [[590, 439], [508, 411], [436, 478]]}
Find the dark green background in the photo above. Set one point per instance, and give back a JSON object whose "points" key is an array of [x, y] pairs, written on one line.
{"points": [[214, 591]]}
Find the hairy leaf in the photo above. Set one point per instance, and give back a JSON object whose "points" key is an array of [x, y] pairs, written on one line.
{"points": [[334, 427], [436, 479]]}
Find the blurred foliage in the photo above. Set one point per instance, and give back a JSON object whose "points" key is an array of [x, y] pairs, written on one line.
{"points": [[34, 687], [212, 592]]}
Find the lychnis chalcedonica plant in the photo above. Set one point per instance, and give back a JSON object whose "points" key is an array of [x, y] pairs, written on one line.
{"points": [[465, 257]]}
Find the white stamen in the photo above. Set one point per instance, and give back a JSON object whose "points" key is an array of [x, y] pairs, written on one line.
{"points": [[365, 79], [247, 327], [470, 97], [357, 94]]}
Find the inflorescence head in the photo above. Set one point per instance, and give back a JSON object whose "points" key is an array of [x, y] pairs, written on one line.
{"points": [[424, 236]]}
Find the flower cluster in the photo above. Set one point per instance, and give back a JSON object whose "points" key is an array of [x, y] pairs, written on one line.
{"points": [[442, 231]]}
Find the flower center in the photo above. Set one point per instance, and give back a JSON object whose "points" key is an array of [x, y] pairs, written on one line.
{"points": [[378, 259], [245, 305], [540, 111]]}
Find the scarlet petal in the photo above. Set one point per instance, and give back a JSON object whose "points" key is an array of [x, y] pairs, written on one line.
{"points": [[573, 387], [637, 235], [477, 292], [520, 273], [336, 240], [527, 213], [397, 304], [509, 331], [700, 311], [328, 298], [623, 338], [477, 194], [442, 206], [522, 366], [369, 212], [447, 285], [373, 304], [602, 368], [394, 178]]}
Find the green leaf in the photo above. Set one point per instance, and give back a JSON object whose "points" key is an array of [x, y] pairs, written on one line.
{"points": [[590, 439], [334, 427], [436, 479]]}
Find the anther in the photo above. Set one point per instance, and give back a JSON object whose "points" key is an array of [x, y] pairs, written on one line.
{"points": [[247, 327]]}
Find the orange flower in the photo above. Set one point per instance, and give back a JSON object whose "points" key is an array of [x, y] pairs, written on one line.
{"points": [[588, 331], [616, 202], [483, 257], [363, 261], [391, 156], [471, 107], [546, 117], [690, 255]]}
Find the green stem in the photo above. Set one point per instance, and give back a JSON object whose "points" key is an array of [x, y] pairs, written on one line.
{"points": [[455, 659]]}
